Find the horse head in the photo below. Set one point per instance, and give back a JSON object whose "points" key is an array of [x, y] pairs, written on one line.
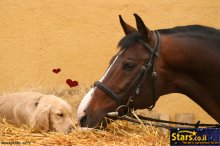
{"points": [[130, 80]]}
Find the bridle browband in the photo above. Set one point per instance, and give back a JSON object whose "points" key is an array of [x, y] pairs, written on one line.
{"points": [[139, 80]]}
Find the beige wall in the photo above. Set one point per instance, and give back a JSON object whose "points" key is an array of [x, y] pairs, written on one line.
{"points": [[80, 36]]}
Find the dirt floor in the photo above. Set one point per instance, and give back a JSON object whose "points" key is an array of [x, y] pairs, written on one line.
{"points": [[79, 37]]}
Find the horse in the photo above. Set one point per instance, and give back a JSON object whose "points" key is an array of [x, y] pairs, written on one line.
{"points": [[149, 64]]}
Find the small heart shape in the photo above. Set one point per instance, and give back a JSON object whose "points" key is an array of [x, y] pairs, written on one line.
{"points": [[56, 70], [72, 83]]}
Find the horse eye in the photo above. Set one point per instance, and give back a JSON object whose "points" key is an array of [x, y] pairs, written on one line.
{"points": [[128, 66], [60, 115]]}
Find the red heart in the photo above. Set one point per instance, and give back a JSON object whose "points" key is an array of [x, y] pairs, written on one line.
{"points": [[56, 70], [72, 83]]}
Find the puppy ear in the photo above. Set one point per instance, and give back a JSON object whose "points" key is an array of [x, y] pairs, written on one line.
{"points": [[41, 118]]}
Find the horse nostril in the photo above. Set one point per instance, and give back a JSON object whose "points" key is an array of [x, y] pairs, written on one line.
{"points": [[83, 121]]}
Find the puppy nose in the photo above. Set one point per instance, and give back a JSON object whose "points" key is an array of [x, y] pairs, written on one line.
{"points": [[83, 121], [71, 128]]}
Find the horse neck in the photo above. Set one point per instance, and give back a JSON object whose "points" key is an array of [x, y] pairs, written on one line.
{"points": [[186, 66]]}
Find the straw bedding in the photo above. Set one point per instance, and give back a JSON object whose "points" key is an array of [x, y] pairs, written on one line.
{"points": [[117, 133]]}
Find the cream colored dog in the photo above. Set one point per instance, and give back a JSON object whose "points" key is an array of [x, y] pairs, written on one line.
{"points": [[44, 112]]}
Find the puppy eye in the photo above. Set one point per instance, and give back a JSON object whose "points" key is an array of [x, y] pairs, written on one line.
{"points": [[60, 115]]}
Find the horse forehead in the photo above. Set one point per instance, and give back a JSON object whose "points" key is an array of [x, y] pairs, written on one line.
{"points": [[135, 52], [116, 56]]}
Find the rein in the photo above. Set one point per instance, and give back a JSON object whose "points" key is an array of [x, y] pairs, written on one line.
{"points": [[140, 120]]}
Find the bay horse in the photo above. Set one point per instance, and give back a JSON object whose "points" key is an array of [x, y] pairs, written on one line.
{"points": [[149, 64]]}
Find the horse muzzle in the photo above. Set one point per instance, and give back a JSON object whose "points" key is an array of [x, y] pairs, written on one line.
{"points": [[97, 122]]}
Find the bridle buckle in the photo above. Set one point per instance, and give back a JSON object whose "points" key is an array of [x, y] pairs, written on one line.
{"points": [[120, 111]]}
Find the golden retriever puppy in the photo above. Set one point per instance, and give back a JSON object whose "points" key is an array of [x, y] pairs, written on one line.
{"points": [[44, 112]]}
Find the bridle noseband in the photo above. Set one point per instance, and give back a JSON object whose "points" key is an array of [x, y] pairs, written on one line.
{"points": [[139, 80]]}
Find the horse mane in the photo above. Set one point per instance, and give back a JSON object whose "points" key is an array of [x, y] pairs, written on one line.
{"points": [[195, 31], [203, 33]]}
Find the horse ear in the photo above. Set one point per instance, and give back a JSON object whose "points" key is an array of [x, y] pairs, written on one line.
{"points": [[127, 28], [142, 28]]}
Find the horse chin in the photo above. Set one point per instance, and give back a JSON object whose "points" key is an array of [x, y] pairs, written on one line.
{"points": [[95, 122], [103, 123]]}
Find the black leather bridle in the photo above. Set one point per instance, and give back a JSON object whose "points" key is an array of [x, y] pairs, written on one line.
{"points": [[139, 80]]}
